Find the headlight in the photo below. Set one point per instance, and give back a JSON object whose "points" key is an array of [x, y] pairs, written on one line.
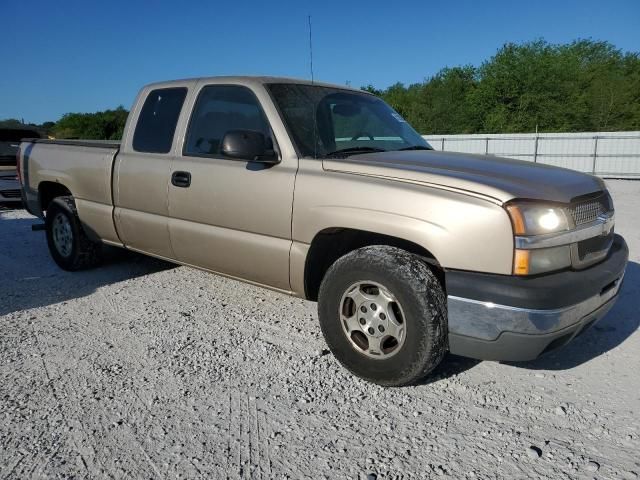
{"points": [[537, 219], [529, 219]]}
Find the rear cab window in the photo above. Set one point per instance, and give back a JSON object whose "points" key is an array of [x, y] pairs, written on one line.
{"points": [[158, 120]]}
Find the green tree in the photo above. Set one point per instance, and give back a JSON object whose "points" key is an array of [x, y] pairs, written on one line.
{"points": [[11, 123], [106, 125], [586, 85]]}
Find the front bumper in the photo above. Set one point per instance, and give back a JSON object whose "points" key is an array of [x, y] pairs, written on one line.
{"points": [[10, 197], [498, 317], [9, 187]]}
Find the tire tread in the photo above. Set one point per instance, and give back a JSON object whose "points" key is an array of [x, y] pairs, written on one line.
{"points": [[87, 253], [420, 279]]}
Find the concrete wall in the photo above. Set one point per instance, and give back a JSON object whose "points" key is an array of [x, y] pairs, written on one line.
{"points": [[607, 154]]}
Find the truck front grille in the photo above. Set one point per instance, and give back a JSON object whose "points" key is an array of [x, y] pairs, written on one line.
{"points": [[8, 160], [596, 245], [584, 210], [10, 193], [587, 210]]}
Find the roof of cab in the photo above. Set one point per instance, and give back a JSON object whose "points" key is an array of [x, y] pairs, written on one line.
{"points": [[251, 80]]}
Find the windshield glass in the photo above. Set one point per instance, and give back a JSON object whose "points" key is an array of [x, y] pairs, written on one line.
{"points": [[328, 121]]}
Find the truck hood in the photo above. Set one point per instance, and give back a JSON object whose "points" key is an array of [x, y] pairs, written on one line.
{"points": [[503, 179]]}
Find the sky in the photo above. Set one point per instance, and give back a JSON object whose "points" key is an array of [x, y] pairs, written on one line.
{"points": [[86, 56]]}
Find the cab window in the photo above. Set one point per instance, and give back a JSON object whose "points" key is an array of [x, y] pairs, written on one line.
{"points": [[219, 109], [158, 119]]}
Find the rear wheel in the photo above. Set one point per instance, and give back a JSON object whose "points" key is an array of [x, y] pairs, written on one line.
{"points": [[383, 314], [68, 243]]}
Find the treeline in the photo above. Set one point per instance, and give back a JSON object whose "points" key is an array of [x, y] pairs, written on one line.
{"points": [[582, 86], [106, 125], [19, 124]]}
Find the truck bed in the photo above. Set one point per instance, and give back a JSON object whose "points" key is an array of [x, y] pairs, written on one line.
{"points": [[84, 167], [79, 142]]}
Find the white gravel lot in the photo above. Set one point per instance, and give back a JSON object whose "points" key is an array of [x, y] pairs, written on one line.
{"points": [[141, 369]]}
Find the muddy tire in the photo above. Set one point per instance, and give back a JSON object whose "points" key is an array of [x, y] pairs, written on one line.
{"points": [[68, 243], [383, 314]]}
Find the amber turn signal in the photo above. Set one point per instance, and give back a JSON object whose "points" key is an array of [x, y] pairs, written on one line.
{"points": [[521, 262], [517, 220]]}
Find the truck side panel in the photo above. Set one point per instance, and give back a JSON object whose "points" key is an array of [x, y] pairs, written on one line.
{"points": [[84, 170], [440, 221]]}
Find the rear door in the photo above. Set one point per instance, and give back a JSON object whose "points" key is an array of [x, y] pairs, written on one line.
{"points": [[142, 171], [233, 216]]}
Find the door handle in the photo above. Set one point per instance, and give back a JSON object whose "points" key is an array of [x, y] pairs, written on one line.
{"points": [[181, 179]]}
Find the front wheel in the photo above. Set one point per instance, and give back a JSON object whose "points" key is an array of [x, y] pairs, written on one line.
{"points": [[383, 314], [68, 243]]}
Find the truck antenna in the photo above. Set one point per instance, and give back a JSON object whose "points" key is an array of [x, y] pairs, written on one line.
{"points": [[310, 48]]}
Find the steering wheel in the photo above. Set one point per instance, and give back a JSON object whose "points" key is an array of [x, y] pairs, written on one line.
{"points": [[362, 134]]}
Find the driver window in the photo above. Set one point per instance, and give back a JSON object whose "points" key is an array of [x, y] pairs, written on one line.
{"points": [[219, 109]]}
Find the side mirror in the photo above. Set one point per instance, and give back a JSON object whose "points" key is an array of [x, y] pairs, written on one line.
{"points": [[248, 145]]}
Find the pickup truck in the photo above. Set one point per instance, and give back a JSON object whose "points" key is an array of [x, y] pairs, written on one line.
{"points": [[326, 193], [9, 141]]}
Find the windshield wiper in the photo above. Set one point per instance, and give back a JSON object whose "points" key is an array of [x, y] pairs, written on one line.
{"points": [[415, 147], [353, 151]]}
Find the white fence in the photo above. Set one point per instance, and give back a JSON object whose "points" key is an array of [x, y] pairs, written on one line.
{"points": [[607, 154]]}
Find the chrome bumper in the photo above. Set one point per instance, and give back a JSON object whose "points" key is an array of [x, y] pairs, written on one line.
{"points": [[487, 321], [487, 330]]}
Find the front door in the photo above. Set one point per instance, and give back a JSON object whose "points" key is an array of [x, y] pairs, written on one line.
{"points": [[227, 215]]}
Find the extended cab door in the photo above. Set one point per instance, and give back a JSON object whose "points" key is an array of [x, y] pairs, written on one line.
{"points": [[226, 215], [142, 171]]}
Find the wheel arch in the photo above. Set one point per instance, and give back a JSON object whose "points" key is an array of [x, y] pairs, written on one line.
{"points": [[329, 244], [48, 190]]}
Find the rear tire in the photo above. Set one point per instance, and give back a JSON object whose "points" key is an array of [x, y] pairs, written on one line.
{"points": [[68, 243], [383, 314]]}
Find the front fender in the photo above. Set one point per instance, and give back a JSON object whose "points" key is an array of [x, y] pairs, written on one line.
{"points": [[463, 232]]}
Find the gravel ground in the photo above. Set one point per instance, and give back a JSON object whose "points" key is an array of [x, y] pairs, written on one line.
{"points": [[144, 369]]}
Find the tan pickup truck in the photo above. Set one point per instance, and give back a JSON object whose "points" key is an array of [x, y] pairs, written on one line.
{"points": [[326, 193]]}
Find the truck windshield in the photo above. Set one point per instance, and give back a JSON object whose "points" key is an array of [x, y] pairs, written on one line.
{"points": [[327, 121]]}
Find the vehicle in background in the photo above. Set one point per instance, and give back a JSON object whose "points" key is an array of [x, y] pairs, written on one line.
{"points": [[9, 187], [9, 144], [327, 193]]}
